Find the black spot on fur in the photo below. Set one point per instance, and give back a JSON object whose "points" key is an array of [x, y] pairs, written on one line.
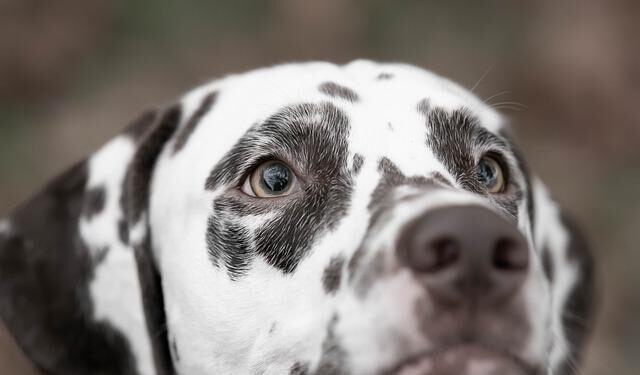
{"points": [[333, 360], [123, 231], [183, 135], [312, 138], [578, 312], [137, 129], [392, 177], [44, 294], [384, 76], [273, 327], [333, 275], [100, 255], [335, 90], [174, 350], [141, 125], [299, 368], [373, 272], [355, 261], [94, 202], [424, 107], [144, 161], [547, 264], [358, 160], [135, 202], [153, 302]]}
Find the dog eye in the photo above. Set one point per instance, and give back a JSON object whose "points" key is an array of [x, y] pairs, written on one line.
{"points": [[491, 174], [271, 179]]}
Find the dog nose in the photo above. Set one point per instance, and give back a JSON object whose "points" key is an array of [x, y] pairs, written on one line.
{"points": [[465, 254]]}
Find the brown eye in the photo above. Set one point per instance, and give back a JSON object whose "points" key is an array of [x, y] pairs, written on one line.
{"points": [[491, 175], [271, 179]]}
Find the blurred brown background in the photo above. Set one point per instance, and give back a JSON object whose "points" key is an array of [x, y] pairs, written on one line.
{"points": [[74, 72]]}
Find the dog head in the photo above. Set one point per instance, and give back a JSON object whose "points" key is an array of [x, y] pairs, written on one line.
{"points": [[301, 219]]}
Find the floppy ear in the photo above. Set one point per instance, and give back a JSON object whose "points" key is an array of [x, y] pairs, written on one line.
{"points": [[569, 267], [68, 282]]}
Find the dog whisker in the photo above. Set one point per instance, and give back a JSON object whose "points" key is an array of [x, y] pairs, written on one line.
{"points": [[487, 100], [482, 77]]}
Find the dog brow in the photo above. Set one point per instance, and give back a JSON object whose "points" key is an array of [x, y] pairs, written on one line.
{"points": [[288, 131]]}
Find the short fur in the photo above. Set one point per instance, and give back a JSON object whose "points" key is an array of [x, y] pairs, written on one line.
{"points": [[148, 257]]}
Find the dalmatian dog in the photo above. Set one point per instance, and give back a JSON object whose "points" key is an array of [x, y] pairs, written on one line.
{"points": [[301, 219]]}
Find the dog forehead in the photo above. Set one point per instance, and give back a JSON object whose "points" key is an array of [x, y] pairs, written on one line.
{"points": [[380, 100]]}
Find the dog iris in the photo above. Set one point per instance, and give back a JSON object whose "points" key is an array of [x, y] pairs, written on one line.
{"points": [[491, 175], [270, 179]]}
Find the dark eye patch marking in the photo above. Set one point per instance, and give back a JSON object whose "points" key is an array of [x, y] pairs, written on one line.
{"points": [[313, 137], [358, 160], [335, 90], [229, 243], [333, 275], [183, 135], [299, 368], [94, 202], [384, 76], [333, 360], [453, 137]]}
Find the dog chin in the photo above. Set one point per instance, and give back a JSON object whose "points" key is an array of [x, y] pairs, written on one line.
{"points": [[463, 360]]}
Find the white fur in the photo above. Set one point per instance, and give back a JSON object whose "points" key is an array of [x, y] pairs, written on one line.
{"points": [[115, 290], [566, 272], [266, 320]]}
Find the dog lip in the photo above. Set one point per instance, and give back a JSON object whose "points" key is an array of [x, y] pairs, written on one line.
{"points": [[444, 361]]}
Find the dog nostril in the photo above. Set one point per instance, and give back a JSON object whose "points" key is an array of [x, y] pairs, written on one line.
{"points": [[509, 255], [440, 254]]}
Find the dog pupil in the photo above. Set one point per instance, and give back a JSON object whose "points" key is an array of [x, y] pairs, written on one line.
{"points": [[486, 172], [275, 177]]}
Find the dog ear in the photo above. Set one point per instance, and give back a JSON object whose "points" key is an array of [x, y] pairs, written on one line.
{"points": [[568, 265], [49, 256]]}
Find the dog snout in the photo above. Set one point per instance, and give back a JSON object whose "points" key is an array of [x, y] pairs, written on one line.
{"points": [[465, 255]]}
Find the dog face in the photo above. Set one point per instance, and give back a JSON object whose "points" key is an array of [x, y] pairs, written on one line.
{"points": [[309, 219]]}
